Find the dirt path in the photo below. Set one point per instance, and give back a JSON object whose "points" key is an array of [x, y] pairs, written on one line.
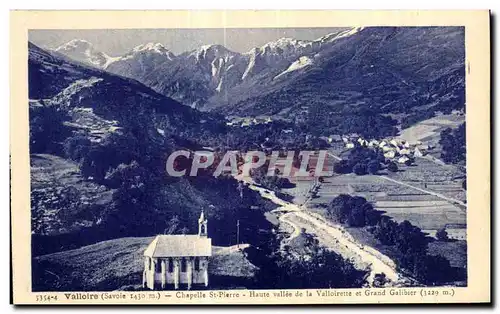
{"points": [[334, 156], [333, 237], [288, 219]]}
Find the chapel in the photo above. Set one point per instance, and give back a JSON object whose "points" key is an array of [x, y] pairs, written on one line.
{"points": [[178, 260]]}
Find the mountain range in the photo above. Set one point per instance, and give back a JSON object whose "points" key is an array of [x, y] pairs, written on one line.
{"points": [[383, 69], [195, 76]]}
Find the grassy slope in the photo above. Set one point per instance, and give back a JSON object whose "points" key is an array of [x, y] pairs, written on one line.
{"points": [[428, 131], [117, 264]]}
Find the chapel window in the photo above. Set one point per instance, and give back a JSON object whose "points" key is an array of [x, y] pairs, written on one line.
{"points": [[197, 264], [183, 265]]}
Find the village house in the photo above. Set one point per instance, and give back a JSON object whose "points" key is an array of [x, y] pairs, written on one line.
{"points": [[349, 145], [404, 151], [390, 154], [334, 138], [418, 153], [178, 259], [403, 159]]}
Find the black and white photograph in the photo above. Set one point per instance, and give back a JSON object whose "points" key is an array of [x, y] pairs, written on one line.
{"points": [[245, 157], [299, 158]]}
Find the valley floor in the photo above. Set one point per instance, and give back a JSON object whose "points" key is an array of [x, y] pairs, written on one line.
{"points": [[427, 194], [332, 236]]}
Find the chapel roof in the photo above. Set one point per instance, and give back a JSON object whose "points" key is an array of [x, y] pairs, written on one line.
{"points": [[179, 245]]}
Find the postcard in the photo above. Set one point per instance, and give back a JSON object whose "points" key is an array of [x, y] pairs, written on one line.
{"points": [[250, 157]]}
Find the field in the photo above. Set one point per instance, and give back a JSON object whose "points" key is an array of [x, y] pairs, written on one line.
{"points": [[428, 131], [303, 185], [427, 194], [454, 251], [432, 176]]}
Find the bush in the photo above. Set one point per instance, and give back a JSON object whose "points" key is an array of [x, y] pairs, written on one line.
{"points": [[392, 167], [442, 235], [321, 269], [77, 147], [385, 230], [47, 129], [359, 169], [379, 280], [342, 167], [354, 211], [373, 167], [453, 144], [410, 238], [275, 183], [433, 269], [412, 243]]}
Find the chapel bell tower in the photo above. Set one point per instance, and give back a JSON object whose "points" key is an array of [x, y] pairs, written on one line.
{"points": [[202, 225]]}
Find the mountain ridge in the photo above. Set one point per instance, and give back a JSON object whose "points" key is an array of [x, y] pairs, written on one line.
{"points": [[213, 68], [386, 69]]}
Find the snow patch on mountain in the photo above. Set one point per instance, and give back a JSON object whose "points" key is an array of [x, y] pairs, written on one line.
{"points": [[148, 49], [75, 44], [219, 86], [285, 43], [152, 47], [302, 62], [83, 51], [216, 69], [335, 36], [213, 52], [251, 63]]}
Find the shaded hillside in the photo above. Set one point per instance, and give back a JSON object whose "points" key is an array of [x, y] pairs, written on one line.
{"points": [[386, 70], [99, 146]]}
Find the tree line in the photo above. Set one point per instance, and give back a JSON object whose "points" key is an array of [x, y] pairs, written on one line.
{"points": [[408, 240], [363, 160], [453, 143], [308, 266]]}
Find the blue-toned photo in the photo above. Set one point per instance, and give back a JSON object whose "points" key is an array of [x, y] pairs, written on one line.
{"points": [[247, 158]]}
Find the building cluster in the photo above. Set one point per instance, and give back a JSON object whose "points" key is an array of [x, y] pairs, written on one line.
{"points": [[248, 121], [397, 150]]}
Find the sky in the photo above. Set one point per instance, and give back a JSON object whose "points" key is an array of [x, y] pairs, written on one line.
{"points": [[116, 42]]}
